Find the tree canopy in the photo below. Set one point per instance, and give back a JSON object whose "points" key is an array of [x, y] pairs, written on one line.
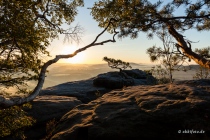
{"points": [[26, 29], [12, 101], [148, 16]]}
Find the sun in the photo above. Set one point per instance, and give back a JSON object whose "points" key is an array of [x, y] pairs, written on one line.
{"points": [[79, 58]]}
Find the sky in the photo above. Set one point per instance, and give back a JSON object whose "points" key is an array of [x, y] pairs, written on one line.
{"points": [[126, 49]]}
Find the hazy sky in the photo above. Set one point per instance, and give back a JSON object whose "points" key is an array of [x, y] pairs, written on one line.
{"points": [[126, 49]]}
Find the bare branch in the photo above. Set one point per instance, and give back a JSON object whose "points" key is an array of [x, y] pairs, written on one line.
{"points": [[8, 102], [74, 34], [186, 17]]}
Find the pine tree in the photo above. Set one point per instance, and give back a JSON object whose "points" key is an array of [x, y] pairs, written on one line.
{"points": [[117, 64], [147, 16], [26, 28]]}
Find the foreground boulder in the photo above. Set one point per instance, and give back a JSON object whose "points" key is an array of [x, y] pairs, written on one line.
{"points": [[177, 111], [47, 108], [115, 80]]}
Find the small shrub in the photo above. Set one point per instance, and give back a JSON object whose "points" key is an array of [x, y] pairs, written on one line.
{"points": [[98, 94], [164, 80], [117, 64], [160, 74], [50, 127], [148, 72], [202, 73], [14, 120]]}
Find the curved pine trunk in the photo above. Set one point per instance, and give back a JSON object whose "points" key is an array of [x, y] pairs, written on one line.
{"points": [[187, 49]]}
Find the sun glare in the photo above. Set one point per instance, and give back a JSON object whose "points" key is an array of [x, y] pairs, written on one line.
{"points": [[79, 58]]}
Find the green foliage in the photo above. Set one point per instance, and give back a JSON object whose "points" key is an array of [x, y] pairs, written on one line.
{"points": [[117, 64], [26, 28], [135, 16], [205, 52], [14, 120], [148, 16]]}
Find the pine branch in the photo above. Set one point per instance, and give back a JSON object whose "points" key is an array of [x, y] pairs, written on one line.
{"points": [[8, 102]]}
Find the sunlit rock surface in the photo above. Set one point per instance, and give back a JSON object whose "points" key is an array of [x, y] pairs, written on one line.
{"points": [[142, 112]]}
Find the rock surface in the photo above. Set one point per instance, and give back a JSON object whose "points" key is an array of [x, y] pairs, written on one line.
{"points": [[141, 112], [55, 101], [46, 108], [88, 90], [116, 80], [83, 90], [113, 80]]}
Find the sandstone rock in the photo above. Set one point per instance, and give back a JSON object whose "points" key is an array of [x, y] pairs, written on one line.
{"points": [[50, 106], [83, 90], [115, 80], [112, 80], [46, 108], [141, 112], [90, 89], [140, 77], [136, 73]]}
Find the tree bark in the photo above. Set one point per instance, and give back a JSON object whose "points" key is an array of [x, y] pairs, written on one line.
{"points": [[8, 102], [187, 49]]}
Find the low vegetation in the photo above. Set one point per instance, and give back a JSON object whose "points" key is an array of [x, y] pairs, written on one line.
{"points": [[160, 74], [202, 72], [50, 127], [14, 121]]}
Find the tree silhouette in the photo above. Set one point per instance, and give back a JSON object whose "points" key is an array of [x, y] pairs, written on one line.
{"points": [[117, 64], [149, 17], [8, 102], [168, 55], [26, 29]]}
